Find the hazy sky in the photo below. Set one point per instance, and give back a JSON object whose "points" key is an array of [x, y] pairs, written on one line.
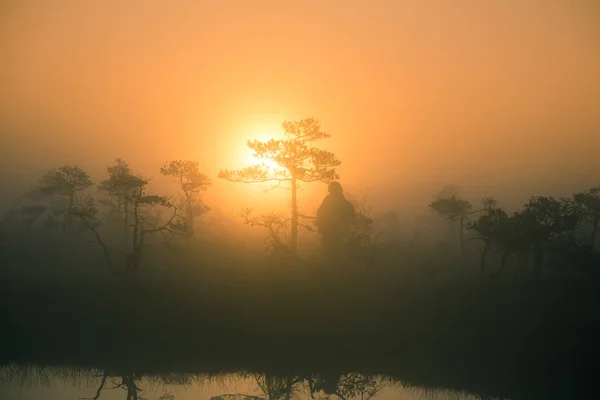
{"points": [[480, 93]]}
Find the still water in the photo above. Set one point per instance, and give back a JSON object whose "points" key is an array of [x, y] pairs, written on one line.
{"points": [[37, 383]]}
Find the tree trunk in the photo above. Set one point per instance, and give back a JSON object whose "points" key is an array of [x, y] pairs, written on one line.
{"points": [[294, 238]]}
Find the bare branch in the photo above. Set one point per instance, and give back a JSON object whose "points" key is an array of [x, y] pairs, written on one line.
{"points": [[91, 227], [275, 186], [102, 383]]}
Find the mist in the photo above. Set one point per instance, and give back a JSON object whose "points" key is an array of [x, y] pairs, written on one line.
{"points": [[455, 130], [489, 97]]}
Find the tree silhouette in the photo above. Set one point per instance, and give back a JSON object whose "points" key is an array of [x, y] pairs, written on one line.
{"points": [[191, 181], [122, 185], [589, 201], [453, 209], [497, 229], [136, 203], [66, 182], [544, 224], [297, 160], [142, 226], [275, 224], [544, 218], [128, 382], [488, 226]]}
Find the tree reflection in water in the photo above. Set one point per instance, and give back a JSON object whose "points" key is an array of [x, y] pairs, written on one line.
{"points": [[128, 384], [317, 386], [322, 386], [104, 384]]}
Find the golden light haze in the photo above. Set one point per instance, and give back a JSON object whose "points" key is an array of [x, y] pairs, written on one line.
{"points": [[489, 94]]}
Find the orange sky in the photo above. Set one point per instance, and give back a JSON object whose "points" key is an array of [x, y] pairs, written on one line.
{"points": [[478, 93]]}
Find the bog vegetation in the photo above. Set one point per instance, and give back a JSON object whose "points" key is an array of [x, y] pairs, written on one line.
{"points": [[483, 297]]}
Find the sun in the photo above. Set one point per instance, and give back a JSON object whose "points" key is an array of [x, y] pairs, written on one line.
{"points": [[263, 136], [251, 160]]}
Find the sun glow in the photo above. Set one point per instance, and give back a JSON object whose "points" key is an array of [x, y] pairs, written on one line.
{"points": [[262, 134], [252, 160]]}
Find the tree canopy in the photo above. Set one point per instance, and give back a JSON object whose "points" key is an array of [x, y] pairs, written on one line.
{"points": [[297, 159], [192, 182], [65, 181]]}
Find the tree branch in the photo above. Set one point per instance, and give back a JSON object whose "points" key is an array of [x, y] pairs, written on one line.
{"points": [[276, 186], [97, 396], [98, 239], [167, 225]]}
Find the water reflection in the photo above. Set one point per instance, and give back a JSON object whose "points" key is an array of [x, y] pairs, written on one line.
{"points": [[24, 383], [317, 386]]}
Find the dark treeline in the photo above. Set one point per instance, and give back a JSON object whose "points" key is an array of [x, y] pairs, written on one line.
{"points": [[110, 275]]}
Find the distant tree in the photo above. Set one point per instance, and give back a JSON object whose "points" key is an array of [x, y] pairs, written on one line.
{"points": [[123, 186], [137, 204], [486, 226], [191, 181], [544, 225], [298, 160], [589, 201], [544, 219], [276, 225], [453, 209], [497, 229], [65, 182], [142, 225]]}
